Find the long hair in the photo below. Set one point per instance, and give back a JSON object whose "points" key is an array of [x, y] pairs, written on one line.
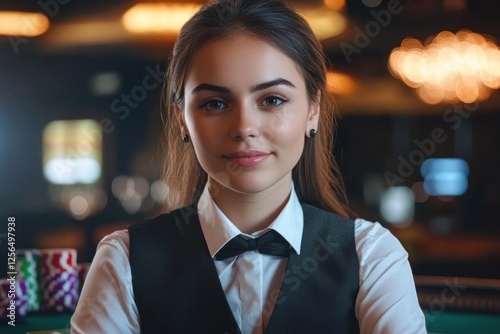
{"points": [[316, 176]]}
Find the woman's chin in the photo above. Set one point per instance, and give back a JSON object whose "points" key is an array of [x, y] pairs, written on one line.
{"points": [[246, 186]]}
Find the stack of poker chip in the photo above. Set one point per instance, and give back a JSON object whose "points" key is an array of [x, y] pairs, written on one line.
{"points": [[13, 289], [28, 268], [59, 280]]}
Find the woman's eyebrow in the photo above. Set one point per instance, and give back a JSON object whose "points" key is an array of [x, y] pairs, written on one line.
{"points": [[275, 82], [205, 86], [261, 86]]}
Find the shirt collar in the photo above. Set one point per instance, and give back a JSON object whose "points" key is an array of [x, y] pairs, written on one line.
{"points": [[218, 229]]}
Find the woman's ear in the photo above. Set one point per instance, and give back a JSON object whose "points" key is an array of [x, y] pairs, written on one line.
{"points": [[314, 111], [179, 115]]}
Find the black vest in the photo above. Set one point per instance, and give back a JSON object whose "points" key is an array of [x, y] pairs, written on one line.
{"points": [[177, 288]]}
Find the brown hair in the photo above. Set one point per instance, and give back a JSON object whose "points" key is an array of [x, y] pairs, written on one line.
{"points": [[316, 176]]}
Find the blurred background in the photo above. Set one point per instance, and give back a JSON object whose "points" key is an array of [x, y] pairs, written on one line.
{"points": [[416, 84]]}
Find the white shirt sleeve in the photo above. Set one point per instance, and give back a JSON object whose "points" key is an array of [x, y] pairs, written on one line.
{"points": [[387, 301], [106, 303]]}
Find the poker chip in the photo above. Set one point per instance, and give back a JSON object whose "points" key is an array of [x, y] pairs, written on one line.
{"points": [[13, 289], [60, 292], [28, 268], [59, 279]]}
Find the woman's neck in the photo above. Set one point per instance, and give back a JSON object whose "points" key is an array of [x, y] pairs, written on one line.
{"points": [[251, 212]]}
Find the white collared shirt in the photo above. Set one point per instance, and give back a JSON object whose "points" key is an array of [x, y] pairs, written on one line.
{"points": [[386, 301]]}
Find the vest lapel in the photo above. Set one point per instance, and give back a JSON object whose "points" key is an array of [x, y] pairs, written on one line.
{"points": [[320, 286], [212, 290], [176, 285]]}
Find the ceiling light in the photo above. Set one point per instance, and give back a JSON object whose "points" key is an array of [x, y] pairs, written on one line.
{"points": [[23, 23], [158, 17]]}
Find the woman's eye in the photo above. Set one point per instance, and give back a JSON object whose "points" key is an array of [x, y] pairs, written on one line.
{"points": [[273, 101], [213, 105]]}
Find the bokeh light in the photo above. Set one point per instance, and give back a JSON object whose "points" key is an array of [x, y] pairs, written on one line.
{"points": [[27, 24], [445, 176], [72, 152], [156, 17], [131, 191], [397, 206], [448, 68], [159, 191]]}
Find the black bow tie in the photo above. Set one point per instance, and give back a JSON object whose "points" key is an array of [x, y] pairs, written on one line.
{"points": [[271, 243]]}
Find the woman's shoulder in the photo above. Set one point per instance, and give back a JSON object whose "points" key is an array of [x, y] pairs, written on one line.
{"points": [[119, 236], [118, 240], [375, 241], [366, 229]]}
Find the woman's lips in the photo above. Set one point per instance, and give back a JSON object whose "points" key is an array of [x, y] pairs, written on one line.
{"points": [[247, 158]]}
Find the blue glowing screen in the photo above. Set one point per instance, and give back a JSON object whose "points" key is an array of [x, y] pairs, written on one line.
{"points": [[445, 176]]}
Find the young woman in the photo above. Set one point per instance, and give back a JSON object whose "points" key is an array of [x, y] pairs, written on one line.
{"points": [[257, 238]]}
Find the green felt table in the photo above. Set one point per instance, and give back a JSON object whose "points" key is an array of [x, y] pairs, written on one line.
{"points": [[450, 322], [437, 322], [39, 323]]}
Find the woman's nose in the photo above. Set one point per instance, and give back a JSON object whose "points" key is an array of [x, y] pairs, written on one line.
{"points": [[246, 123]]}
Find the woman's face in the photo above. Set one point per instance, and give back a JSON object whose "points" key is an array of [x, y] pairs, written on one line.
{"points": [[246, 112]]}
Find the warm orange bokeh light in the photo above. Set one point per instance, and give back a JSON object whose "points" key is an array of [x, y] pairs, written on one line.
{"points": [[324, 22], [158, 17], [23, 24], [335, 4], [449, 68], [339, 83]]}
